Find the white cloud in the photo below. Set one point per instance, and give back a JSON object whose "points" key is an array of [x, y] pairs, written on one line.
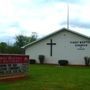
{"points": [[81, 30], [42, 16]]}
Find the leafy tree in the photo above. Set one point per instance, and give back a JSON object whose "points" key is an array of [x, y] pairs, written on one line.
{"points": [[14, 50], [22, 40], [3, 47]]}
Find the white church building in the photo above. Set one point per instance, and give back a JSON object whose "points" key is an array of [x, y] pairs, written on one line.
{"points": [[64, 44]]}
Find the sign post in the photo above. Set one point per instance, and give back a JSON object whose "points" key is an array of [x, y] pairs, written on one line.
{"points": [[13, 66]]}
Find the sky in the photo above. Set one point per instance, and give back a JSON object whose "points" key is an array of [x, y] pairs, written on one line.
{"points": [[42, 16]]}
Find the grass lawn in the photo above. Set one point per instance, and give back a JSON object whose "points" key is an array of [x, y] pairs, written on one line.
{"points": [[52, 77]]}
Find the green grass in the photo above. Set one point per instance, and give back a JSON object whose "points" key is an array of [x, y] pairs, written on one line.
{"points": [[52, 77]]}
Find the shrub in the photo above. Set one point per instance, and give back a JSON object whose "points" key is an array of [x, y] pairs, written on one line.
{"points": [[63, 62], [41, 59], [87, 60], [32, 61]]}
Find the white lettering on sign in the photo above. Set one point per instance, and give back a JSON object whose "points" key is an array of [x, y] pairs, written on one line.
{"points": [[12, 68], [13, 64]]}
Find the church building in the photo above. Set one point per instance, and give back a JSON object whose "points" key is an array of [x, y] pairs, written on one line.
{"points": [[64, 44]]}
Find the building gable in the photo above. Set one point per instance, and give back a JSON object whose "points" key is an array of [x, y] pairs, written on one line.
{"points": [[55, 33], [62, 45]]}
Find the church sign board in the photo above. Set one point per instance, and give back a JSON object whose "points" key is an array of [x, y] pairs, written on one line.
{"points": [[12, 65]]}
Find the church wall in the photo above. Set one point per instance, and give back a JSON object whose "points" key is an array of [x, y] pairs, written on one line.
{"points": [[66, 48]]}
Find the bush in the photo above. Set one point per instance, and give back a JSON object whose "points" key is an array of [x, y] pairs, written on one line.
{"points": [[87, 60], [41, 59], [32, 61], [63, 62]]}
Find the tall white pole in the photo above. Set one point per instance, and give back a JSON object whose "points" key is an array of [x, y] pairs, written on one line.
{"points": [[67, 15]]}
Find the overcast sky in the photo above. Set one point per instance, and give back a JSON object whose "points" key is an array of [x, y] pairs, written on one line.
{"points": [[42, 17]]}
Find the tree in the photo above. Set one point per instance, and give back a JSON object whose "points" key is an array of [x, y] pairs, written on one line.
{"points": [[22, 40], [3, 47]]}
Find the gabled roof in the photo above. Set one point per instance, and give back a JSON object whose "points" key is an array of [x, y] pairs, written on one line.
{"points": [[63, 29]]}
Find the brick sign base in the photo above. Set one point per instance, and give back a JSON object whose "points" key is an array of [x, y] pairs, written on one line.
{"points": [[12, 77]]}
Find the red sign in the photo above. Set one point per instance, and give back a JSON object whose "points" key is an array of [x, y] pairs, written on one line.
{"points": [[13, 59]]}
